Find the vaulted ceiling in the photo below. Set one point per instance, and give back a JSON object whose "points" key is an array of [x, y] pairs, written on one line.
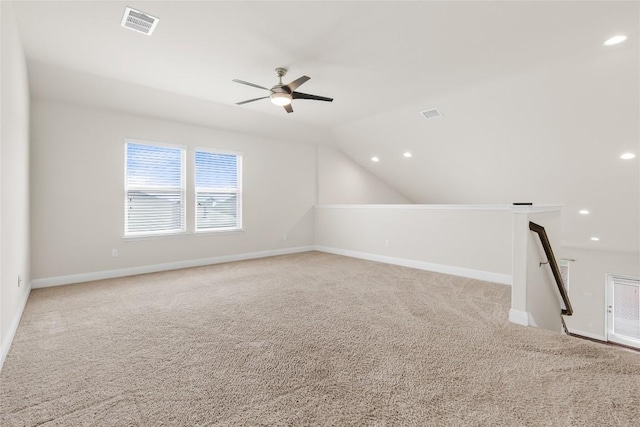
{"points": [[534, 107]]}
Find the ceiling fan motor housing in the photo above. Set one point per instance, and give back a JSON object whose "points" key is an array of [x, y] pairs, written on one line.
{"points": [[280, 94], [280, 89]]}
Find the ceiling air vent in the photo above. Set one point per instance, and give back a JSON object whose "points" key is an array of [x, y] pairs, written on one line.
{"points": [[139, 21], [431, 114]]}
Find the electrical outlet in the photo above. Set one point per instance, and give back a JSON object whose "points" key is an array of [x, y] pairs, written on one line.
{"points": [[19, 280], [114, 253], [386, 243], [284, 236]]}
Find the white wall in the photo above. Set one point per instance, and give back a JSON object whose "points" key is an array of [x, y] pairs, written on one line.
{"points": [[343, 181], [14, 175], [587, 286], [466, 241], [77, 192]]}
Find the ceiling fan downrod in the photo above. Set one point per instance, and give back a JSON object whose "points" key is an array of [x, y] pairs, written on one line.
{"points": [[280, 73]]}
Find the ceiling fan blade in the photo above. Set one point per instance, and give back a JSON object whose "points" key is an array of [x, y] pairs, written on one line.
{"points": [[296, 83], [251, 100], [300, 95], [250, 84], [289, 108]]}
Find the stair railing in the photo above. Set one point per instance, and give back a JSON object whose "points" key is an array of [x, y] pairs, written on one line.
{"points": [[544, 239]]}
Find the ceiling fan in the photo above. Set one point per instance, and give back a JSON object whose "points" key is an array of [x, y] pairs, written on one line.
{"points": [[282, 94]]}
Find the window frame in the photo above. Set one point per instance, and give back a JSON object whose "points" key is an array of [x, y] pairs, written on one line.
{"points": [[182, 189], [238, 191]]}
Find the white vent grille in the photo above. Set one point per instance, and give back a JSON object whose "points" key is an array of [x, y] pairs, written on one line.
{"points": [[139, 21], [431, 114]]}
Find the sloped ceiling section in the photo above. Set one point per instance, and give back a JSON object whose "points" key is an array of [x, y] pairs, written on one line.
{"points": [[342, 181], [57, 83], [551, 135]]}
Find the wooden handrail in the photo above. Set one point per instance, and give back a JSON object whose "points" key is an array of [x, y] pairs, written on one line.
{"points": [[544, 239]]}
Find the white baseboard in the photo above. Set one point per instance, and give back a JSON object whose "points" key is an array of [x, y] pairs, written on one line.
{"points": [[110, 274], [588, 335], [122, 272], [519, 317], [11, 333], [532, 321], [488, 276]]}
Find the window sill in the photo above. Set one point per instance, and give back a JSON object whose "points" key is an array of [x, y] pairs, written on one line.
{"points": [[181, 234], [225, 231], [154, 236]]}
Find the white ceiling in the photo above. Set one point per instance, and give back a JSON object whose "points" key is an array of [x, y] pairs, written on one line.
{"points": [[370, 56], [382, 62]]}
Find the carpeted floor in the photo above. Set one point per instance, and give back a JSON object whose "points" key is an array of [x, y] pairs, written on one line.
{"points": [[310, 339]]}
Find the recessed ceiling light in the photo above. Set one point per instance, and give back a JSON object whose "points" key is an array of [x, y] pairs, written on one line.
{"points": [[407, 154], [628, 156], [375, 159], [584, 212], [595, 239], [615, 40]]}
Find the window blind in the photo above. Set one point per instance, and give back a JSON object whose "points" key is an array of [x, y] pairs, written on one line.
{"points": [[218, 191], [626, 307], [155, 189]]}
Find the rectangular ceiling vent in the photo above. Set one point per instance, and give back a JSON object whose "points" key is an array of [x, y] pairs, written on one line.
{"points": [[139, 21], [431, 114]]}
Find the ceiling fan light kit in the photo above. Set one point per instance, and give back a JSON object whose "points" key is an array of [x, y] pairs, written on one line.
{"points": [[281, 94], [281, 99]]}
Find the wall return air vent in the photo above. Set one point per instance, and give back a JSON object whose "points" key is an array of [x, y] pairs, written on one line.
{"points": [[139, 21], [431, 114]]}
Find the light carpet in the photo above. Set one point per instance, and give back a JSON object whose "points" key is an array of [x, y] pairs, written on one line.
{"points": [[309, 339]]}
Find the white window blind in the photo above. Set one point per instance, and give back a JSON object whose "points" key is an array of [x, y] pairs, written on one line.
{"points": [[218, 191], [626, 307], [155, 189]]}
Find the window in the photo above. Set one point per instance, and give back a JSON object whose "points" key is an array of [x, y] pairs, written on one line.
{"points": [[218, 191], [623, 310], [155, 189]]}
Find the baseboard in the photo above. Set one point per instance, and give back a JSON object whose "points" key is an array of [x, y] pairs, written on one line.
{"points": [[110, 274], [11, 333], [132, 271], [519, 317], [588, 335], [487, 276], [532, 321]]}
